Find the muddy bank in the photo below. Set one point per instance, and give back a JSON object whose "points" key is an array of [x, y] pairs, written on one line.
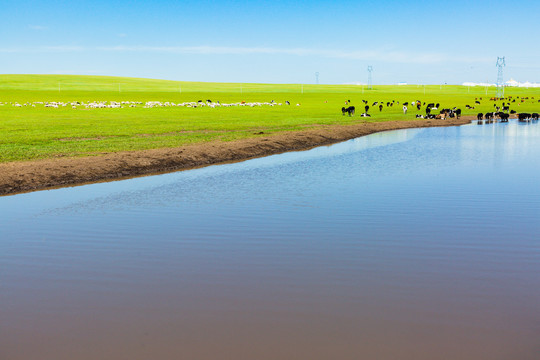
{"points": [[17, 177]]}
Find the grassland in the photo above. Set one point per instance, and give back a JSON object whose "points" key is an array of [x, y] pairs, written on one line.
{"points": [[30, 133]]}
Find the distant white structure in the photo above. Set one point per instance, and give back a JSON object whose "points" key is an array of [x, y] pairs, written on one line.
{"points": [[511, 82], [527, 84], [478, 84]]}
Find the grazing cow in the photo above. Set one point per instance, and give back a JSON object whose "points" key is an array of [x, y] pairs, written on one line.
{"points": [[404, 109], [428, 110], [380, 107], [431, 105], [524, 117], [366, 108], [513, 111], [480, 116], [419, 116], [447, 112], [405, 103], [489, 117], [287, 102], [437, 106], [477, 102], [458, 113], [503, 116], [506, 108], [349, 110], [365, 115], [418, 105]]}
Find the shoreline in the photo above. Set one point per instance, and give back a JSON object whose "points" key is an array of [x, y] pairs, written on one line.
{"points": [[35, 175]]}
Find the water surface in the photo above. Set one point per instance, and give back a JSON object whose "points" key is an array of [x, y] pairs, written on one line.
{"points": [[410, 244]]}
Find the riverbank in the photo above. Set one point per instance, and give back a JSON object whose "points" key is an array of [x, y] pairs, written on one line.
{"points": [[19, 177]]}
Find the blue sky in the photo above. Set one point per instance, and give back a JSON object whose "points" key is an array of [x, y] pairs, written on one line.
{"points": [[425, 42]]}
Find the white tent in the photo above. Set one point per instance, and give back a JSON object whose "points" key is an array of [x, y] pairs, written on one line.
{"points": [[512, 82]]}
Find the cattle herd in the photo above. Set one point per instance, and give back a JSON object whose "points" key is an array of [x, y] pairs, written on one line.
{"points": [[432, 110], [443, 113]]}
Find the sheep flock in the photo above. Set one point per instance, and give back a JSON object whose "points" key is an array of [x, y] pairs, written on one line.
{"points": [[140, 104]]}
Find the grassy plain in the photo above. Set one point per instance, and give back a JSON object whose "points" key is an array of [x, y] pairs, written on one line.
{"points": [[28, 133]]}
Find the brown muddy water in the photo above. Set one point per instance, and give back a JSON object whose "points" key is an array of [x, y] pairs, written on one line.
{"points": [[410, 244]]}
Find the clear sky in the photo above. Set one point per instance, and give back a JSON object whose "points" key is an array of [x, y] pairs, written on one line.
{"points": [[424, 42]]}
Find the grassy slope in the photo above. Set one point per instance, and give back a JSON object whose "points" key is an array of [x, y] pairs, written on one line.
{"points": [[32, 133]]}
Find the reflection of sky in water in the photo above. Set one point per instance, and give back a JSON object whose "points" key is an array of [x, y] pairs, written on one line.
{"points": [[85, 193], [420, 223], [470, 168]]}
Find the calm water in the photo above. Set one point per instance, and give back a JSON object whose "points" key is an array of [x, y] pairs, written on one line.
{"points": [[411, 244]]}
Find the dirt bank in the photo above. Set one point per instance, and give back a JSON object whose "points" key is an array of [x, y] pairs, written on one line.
{"points": [[17, 177]]}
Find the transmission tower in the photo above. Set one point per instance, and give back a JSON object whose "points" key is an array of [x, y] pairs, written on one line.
{"points": [[317, 78], [500, 84], [369, 84]]}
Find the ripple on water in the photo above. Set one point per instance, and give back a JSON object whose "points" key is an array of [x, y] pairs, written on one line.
{"points": [[405, 244]]}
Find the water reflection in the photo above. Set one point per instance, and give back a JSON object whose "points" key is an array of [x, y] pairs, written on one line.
{"points": [[406, 244]]}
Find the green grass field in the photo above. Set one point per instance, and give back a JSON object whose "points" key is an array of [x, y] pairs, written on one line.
{"points": [[28, 132]]}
